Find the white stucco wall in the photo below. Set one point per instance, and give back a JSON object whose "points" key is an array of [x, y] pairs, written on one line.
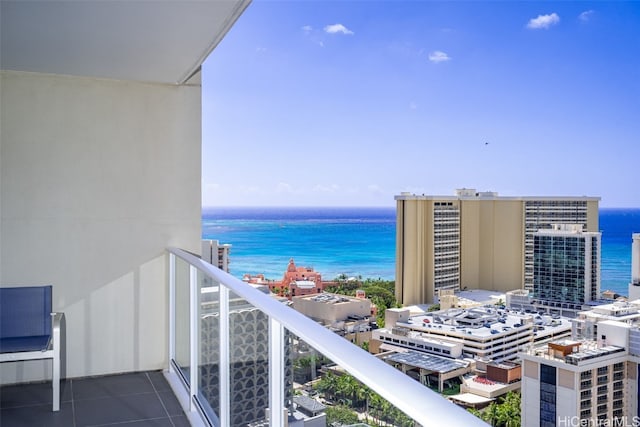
{"points": [[97, 177], [530, 413]]}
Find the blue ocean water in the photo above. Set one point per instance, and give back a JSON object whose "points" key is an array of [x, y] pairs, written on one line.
{"points": [[361, 241], [617, 225]]}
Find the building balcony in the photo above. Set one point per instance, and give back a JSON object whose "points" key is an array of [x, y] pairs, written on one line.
{"points": [[234, 354]]}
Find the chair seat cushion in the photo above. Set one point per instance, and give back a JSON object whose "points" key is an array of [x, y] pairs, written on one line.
{"points": [[20, 344]]}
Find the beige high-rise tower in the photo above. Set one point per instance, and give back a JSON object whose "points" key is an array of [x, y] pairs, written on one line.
{"points": [[475, 240]]}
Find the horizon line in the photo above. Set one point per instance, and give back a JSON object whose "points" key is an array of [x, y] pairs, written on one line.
{"points": [[347, 206]]}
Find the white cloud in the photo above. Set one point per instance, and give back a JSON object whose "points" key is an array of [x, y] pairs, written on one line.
{"points": [[543, 21], [337, 28], [307, 29], [332, 188], [284, 187], [438, 56], [586, 15]]}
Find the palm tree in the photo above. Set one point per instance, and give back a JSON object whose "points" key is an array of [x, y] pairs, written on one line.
{"points": [[328, 385], [491, 414]]}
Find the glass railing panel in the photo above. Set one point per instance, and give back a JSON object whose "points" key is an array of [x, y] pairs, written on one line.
{"points": [[253, 373], [182, 318], [209, 346], [326, 391], [248, 362]]}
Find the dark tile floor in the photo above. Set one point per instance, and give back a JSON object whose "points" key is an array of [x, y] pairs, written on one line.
{"points": [[141, 399]]}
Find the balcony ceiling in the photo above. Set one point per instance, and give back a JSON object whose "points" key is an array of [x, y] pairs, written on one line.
{"points": [[144, 40]]}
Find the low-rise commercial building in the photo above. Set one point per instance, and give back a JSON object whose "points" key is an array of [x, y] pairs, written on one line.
{"points": [[341, 313], [488, 333], [430, 370]]}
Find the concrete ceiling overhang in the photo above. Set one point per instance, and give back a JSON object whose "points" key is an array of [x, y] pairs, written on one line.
{"points": [[162, 41]]}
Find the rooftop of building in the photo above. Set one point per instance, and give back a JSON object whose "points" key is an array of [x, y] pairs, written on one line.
{"points": [[481, 295], [308, 404], [505, 364], [472, 193], [566, 230], [483, 322], [329, 298], [574, 352], [428, 362], [619, 310]]}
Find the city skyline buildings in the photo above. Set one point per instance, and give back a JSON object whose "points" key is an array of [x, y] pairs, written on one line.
{"points": [[475, 240], [422, 97]]}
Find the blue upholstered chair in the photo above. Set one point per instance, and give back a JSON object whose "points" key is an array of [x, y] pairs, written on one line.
{"points": [[29, 330]]}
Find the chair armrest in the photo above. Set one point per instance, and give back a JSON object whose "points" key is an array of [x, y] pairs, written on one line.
{"points": [[56, 318]]}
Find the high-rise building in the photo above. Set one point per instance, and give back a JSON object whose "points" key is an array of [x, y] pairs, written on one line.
{"points": [[475, 240], [583, 382], [566, 264], [569, 381], [217, 254], [634, 286]]}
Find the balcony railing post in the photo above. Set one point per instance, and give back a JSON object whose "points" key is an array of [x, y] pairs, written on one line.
{"points": [[276, 373], [172, 307], [225, 389], [194, 323]]}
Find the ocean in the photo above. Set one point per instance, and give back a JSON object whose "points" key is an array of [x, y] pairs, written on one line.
{"points": [[360, 242]]}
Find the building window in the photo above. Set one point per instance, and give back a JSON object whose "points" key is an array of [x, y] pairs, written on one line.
{"points": [[547, 395]]}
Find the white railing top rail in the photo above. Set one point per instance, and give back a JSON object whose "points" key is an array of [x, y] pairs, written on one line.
{"points": [[417, 401]]}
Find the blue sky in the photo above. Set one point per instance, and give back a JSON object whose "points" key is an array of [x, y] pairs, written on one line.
{"points": [[327, 103]]}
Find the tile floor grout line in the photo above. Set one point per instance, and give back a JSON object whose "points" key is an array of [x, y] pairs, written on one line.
{"points": [[160, 399], [73, 404], [120, 423], [115, 396]]}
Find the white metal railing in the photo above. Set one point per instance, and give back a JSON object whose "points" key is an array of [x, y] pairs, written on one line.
{"points": [[417, 401]]}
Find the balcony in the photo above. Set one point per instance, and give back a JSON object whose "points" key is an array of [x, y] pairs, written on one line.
{"points": [[233, 350], [244, 345]]}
